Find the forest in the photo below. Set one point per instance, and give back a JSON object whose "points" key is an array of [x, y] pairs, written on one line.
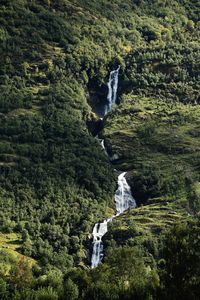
{"points": [[56, 182]]}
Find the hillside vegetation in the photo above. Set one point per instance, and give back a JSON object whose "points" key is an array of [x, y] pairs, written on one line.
{"points": [[56, 181], [157, 141]]}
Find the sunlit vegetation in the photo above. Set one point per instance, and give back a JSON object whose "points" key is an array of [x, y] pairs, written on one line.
{"points": [[56, 181], [158, 143]]}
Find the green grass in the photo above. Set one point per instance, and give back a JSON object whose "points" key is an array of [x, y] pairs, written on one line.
{"points": [[158, 144], [144, 226], [10, 241], [10, 244]]}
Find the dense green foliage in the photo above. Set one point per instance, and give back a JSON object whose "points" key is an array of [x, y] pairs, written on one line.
{"points": [[53, 173], [158, 142], [127, 273], [181, 265], [56, 182], [170, 71]]}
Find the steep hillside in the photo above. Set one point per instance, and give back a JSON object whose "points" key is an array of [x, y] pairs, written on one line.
{"points": [[56, 181], [157, 142]]}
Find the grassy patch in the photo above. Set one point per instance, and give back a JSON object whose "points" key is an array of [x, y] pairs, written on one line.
{"points": [[10, 244], [158, 143]]}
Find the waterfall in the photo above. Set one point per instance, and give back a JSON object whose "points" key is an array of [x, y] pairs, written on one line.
{"points": [[123, 196], [103, 147], [123, 200], [98, 232], [101, 141], [112, 89]]}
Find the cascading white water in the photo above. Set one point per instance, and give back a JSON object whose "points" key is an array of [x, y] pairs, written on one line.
{"points": [[123, 196], [102, 145], [98, 232], [112, 90], [101, 141], [123, 200]]}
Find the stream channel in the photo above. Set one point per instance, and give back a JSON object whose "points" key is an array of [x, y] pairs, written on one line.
{"points": [[123, 196]]}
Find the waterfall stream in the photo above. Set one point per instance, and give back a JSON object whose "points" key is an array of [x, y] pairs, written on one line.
{"points": [[112, 90], [123, 200], [123, 196], [98, 232]]}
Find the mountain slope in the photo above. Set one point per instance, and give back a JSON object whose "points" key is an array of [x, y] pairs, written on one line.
{"points": [[56, 181]]}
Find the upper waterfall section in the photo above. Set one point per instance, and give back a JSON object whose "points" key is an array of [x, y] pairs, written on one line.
{"points": [[112, 90]]}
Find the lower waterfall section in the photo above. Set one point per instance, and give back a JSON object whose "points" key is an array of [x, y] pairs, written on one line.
{"points": [[98, 232], [123, 200]]}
